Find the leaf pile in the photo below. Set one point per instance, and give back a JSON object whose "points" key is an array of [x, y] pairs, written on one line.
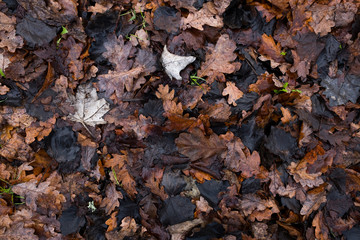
{"points": [[176, 119]]}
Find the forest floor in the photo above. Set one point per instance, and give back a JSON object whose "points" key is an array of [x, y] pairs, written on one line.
{"points": [[174, 119]]}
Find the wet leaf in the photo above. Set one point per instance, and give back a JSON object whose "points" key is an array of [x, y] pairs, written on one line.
{"points": [[219, 59], [196, 145], [174, 64], [233, 92], [89, 109]]}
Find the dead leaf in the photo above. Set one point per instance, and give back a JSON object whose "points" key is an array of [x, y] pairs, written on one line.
{"points": [[153, 182], [219, 59], [220, 111], [164, 94], [206, 15], [112, 199], [43, 195], [313, 201], [238, 158], [174, 64], [269, 48], [111, 222], [89, 109], [322, 18], [8, 37], [257, 208], [287, 115], [196, 146], [233, 92], [118, 163]]}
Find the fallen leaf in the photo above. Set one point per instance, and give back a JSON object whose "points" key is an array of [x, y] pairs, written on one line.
{"points": [[287, 115], [300, 174], [269, 48], [174, 64], [127, 73], [257, 208], [313, 201], [196, 146], [89, 109], [111, 222], [206, 15], [164, 93], [322, 18], [8, 37], [153, 182], [112, 199], [238, 158], [219, 59], [43, 195], [233, 92], [118, 163]]}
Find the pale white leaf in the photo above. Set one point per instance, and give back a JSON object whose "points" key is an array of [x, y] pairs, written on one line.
{"points": [[89, 109], [173, 64]]}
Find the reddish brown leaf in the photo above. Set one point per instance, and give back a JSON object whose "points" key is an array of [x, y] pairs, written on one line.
{"points": [[196, 145], [122, 176], [220, 59], [269, 48], [233, 92], [112, 199]]}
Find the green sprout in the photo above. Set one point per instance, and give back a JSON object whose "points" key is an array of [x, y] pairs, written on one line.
{"points": [[91, 206], [2, 73], [340, 46], [63, 32], [283, 53], [9, 191], [285, 89], [115, 177], [133, 17], [194, 80]]}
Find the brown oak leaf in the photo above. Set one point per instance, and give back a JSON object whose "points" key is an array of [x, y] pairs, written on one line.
{"points": [[164, 93], [219, 59], [238, 158], [153, 182], [314, 199], [196, 145], [126, 75], [323, 18], [119, 163], [43, 195], [112, 199], [233, 92], [269, 48], [8, 37], [206, 15]]}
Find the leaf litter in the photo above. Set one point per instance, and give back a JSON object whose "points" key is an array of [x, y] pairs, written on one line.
{"points": [[179, 119]]}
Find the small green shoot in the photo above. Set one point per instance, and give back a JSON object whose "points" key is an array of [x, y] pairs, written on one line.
{"points": [[9, 191], [340, 46], [285, 89], [63, 32], [194, 80], [2, 73], [115, 177], [91, 206], [283, 53], [133, 17]]}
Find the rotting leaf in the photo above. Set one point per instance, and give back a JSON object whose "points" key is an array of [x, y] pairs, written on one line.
{"points": [[219, 60], [233, 92], [197, 146], [206, 15], [174, 64], [89, 109], [340, 90]]}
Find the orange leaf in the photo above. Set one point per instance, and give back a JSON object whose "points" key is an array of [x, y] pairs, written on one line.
{"points": [[233, 92]]}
